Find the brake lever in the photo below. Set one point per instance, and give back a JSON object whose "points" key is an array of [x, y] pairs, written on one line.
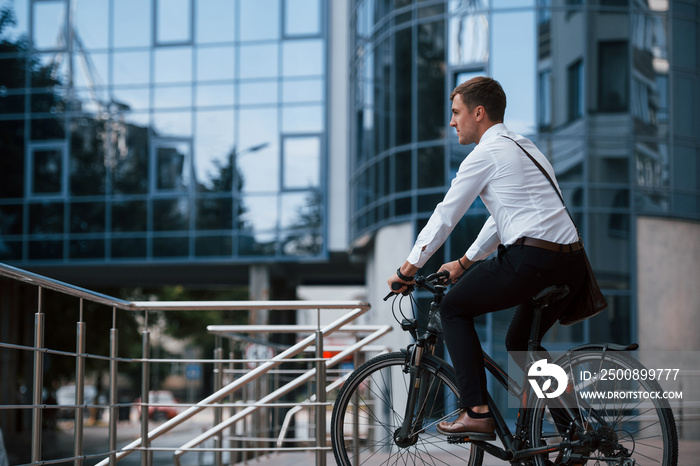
{"points": [[397, 286]]}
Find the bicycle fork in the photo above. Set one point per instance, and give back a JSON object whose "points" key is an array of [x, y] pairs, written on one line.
{"points": [[406, 435]]}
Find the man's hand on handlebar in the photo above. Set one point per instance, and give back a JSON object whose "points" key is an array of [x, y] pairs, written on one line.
{"points": [[456, 268], [403, 279]]}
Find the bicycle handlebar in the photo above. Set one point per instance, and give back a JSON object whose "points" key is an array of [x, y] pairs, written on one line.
{"points": [[427, 283]]}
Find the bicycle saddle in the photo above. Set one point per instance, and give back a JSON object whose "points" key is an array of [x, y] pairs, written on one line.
{"points": [[549, 295]]}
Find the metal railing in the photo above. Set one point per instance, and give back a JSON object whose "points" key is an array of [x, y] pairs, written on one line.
{"points": [[364, 336]]}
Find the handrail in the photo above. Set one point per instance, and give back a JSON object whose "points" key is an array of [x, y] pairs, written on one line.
{"points": [[313, 342]]}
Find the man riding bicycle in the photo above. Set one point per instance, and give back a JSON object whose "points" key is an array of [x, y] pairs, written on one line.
{"points": [[536, 240]]}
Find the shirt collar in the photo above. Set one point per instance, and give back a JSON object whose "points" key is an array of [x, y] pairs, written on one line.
{"points": [[493, 131]]}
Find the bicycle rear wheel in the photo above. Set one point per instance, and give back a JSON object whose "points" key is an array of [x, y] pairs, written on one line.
{"points": [[370, 409], [623, 426]]}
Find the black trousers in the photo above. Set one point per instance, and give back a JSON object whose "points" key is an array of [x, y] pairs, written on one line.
{"points": [[510, 279]]}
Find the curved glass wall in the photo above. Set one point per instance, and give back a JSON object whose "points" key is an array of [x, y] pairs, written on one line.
{"points": [[589, 81], [162, 130]]}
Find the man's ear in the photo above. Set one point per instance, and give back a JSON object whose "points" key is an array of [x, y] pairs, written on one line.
{"points": [[480, 112]]}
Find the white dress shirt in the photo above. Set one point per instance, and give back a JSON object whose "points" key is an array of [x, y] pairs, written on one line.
{"points": [[516, 193]]}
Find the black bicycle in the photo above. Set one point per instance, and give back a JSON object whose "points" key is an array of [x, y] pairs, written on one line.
{"points": [[388, 409]]}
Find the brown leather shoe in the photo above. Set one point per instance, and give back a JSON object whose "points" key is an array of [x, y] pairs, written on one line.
{"points": [[466, 426]]}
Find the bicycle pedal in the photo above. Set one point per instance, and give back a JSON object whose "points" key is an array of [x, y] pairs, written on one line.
{"points": [[470, 437]]}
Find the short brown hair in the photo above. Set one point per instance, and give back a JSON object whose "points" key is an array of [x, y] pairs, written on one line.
{"points": [[483, 91]]}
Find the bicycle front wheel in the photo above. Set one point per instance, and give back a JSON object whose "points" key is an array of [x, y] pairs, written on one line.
{"points": [[370, 409], [608, 393]]}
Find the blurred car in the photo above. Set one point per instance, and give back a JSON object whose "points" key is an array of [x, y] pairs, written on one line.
{"points": [[160, 397], [65, 399]]}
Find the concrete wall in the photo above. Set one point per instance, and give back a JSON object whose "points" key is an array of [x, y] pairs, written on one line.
{"points": [[668, 284]]}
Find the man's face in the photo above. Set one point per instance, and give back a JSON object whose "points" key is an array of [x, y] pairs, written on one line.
{"points": [[464, 121]]}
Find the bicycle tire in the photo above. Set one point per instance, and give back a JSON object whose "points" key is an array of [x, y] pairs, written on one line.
{"points": [[644, 427], [376, 386]]}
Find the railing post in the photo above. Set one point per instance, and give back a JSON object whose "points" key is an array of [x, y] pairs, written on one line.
{"points": [[320, 399], [113, 408], [218, 384], [146, 458], [38, 380], [79, 387]]}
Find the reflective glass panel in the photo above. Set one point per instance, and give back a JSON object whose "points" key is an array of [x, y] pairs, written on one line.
{"points": [[130, 173], [258, 159], [133, 98], [87, 249], [173, 21], [87, 217], [302, 17], [431, 81], [513, 64], [171, 247], [258, 61], [431, 167], [127, 248], [132, 23], [46, 218], [300, 210], [215, 21], [302, 159], [171, 214], [131, 68], [92, 149], [96, 72], [258, 93], [302, 58], [468, 38], [46, 250], [172, 97], [215, 63], [92, 23], [13, 32], [307, 90], [259, 19], [11, 219], [214, 214], [48, 31], [172, 166], [172, 123], [129, 216], [260, 213], [48, 171], [214, 95], [206, 246], [173, 65], [214, 146], [302, 119]]}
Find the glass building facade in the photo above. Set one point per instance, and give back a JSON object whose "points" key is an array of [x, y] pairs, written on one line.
{"points": [[607, 89], [151, 131]]}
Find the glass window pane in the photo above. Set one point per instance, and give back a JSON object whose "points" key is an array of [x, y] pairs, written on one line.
{"points": [[259, 19], [172, 97], [302, 58], [302, 17], [172, 123], [172, 166], [302, 119], [173, 65], [258, 244], [513, 64], [302, 162], [95, 74], [48, 171], [469, 37], [130, 173], [11, 220], [171, 247], [91, 150], [403, 59], [133, 98], [216, 21], [214, 146], [171, 214], [214, 95], [87, 249], [92, 23], [12, 162], [46, 218], [258, 93], [257, 128], [173, 21], [131, 68], [132, 23], [13, 32], [431, 82], [431, 167], [87, 217], [48, 30], [129, 216], [613, 77], [214, 214], [209, 246], [260, 213], [307, 90], [128, 248], [258, 61], [300, 210], [46, 250], [215, 63]]}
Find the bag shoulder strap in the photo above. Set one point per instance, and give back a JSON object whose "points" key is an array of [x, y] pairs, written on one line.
{"points": [[551, 181]]}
